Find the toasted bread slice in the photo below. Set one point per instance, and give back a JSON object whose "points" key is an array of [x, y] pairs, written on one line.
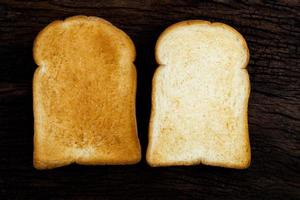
{"points": [[200, 97], [84, 95]]}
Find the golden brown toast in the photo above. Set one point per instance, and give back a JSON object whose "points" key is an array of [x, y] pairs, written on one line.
{"points": [[200, 97], [84, 95]]}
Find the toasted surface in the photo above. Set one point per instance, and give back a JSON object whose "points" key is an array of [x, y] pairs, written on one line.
{"points": [[84, 95], [200, 97]]}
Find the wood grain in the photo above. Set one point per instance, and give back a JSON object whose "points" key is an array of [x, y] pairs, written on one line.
{"points": [[272, 30]]}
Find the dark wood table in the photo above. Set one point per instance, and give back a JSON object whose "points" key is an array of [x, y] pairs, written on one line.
{"points": [[272, 30]]}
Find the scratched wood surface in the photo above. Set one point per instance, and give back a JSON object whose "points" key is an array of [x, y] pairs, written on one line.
{"points": [[272, 30]]}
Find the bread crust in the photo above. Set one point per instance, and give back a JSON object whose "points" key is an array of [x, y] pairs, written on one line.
{"points": [[156, 162], [44, 159]]}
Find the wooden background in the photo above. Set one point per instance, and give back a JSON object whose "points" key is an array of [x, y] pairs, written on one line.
{"points": [[272, 30]]}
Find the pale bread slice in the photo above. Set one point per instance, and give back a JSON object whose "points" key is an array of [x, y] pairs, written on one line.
{"points": [[84, 95], [200, 97]]}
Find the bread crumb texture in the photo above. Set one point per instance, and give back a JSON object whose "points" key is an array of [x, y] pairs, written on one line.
{"points": [[84, 94], [200, 97]]}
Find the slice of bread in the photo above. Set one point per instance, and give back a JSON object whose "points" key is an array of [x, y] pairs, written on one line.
{"points": [[84, 95], [200, 97]]}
